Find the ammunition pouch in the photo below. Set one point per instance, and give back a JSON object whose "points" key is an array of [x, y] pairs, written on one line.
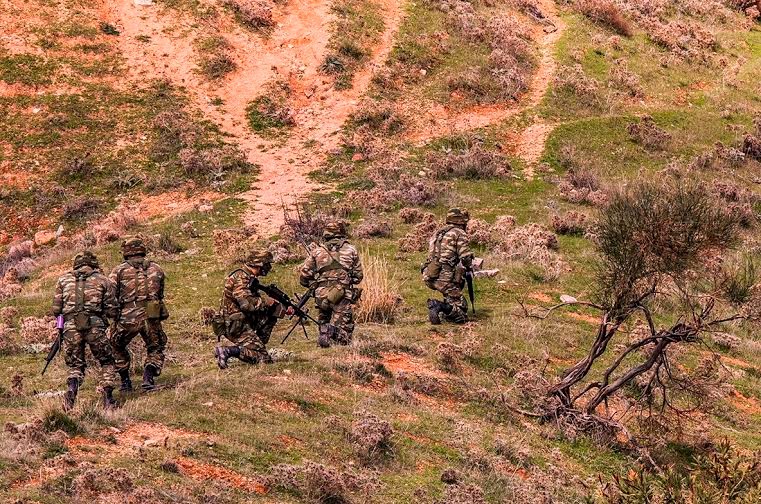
{"points": [[334, 294], [459, 276], [153, 310], [82, 321], [431, 270]]}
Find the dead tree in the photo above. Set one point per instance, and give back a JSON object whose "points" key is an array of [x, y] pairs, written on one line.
{"points": [[657, 242]]}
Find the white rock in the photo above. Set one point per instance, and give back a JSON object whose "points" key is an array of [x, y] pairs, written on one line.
{"points": [[565, 298], [143, 2]]}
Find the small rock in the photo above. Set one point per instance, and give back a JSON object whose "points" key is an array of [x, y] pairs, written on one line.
{"points": [[421, 173], [143, 2], [423, 71], [205, 208], [44, 237], [208, 404], [486, 273], [565, 298], [358, 157]]}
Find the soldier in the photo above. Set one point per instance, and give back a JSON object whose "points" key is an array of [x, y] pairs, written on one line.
{"points": [[140, 295], [449, 257], [85, 298], [247, 317], [334, 270]]}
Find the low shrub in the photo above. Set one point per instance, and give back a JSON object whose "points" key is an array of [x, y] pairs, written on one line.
{"points": [[254, 14], [323, 484], [371, 436], [416, 240], [474, 161], [373, 227], [605, 12], [570, 223], [271, 111], [648, 134], [587, 89], [215, 58]]}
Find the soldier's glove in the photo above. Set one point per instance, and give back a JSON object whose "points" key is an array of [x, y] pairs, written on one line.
{"points": [[290, 311]]}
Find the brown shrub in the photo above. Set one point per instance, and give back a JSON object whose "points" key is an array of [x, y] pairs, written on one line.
{"points": [[479, 232], [379, 116], [585, 88], [605, 12], [213, 162], [449, 356], [406, 190], [8, 314], [233, 243], [255, 14], [648, 134], [37, 330], [472, 162], [751, 146], [623, 79], [417, 239], [412, 215], [685, 39], [373, 227], [462, 494], [96, 481], [582, 186], [322, 484], [81, 208], [534, 245], [370, 436], [570, 223]]}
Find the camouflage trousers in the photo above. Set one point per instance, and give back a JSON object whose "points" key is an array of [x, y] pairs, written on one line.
{"points": [[252, 341], [153, 336], [74, 343], [453, 297], [340, 315]]}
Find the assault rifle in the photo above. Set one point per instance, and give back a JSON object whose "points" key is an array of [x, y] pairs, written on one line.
{"points": [[471, 290], [56, 344], [284, 299]]}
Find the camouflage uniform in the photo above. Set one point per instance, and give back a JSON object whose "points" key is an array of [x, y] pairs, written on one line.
{"points": [[248, 317], [334, 269], [449, 256], [85, 298], [140, 295]]}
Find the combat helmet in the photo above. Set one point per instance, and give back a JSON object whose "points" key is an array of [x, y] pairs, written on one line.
{"points": [[458, 216], [334, 229], [258, 257], [133, 247], [86, 258]]}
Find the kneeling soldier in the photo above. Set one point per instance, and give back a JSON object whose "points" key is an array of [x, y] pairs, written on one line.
{"points": [[140, 295], [85, 298], [449, 257], [334, 270], [247, 318]]}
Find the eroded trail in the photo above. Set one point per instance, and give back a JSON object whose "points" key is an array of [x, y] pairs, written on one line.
{"points": [[161, 43], [529, 143]]}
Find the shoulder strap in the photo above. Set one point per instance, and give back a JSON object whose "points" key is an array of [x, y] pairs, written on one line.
{"points": [[439, 238], [334, 263]]}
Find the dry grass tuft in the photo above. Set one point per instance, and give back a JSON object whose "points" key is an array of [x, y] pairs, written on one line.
{"points": [[323, 484], [473, 161], [417, 239], [586, 89], [570, 223], [373, 227], [380, 303], [605, 12]]}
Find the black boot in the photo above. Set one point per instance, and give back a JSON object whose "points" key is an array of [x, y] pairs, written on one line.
{"points": [[224, 353], [108, 398], [149, 373], [70, 397], [126, 382], [434, 311]]}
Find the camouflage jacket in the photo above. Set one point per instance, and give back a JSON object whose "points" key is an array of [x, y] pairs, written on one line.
{"points": [[94, 295], [137, 280], [238, 299], [334, 262], [450, 248]]}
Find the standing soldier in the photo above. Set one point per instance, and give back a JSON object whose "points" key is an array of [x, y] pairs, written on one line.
{"points": [[334, 270], [140, 296], [247, 318], [449, 257], [85, 298]]}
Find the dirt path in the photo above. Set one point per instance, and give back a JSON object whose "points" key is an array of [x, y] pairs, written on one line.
{"points": [[293, 51], [529, 143]]}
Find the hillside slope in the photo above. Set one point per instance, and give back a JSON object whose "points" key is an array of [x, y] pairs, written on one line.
{"points": [[199, 123]]}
